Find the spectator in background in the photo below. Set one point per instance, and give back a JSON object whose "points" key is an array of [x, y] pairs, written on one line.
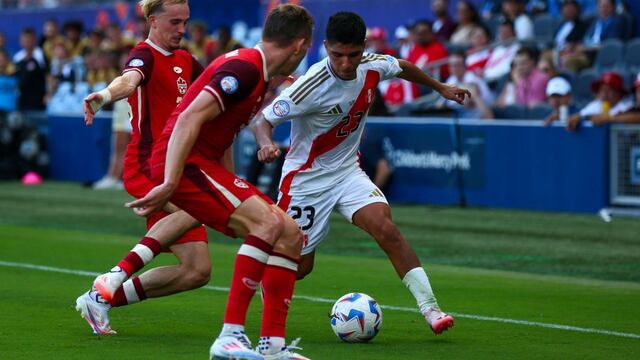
{"points": [[479, 53], [572, 29], [200, 44], [115, 41], [546, 66], [607, 25], [3, 41], [377, 42], [514, 11], [50, 36], [588, 7], [73, 34], [427, 49], [499, 64], [611, 100], [478, 105], [31, 69], [374, 158], [8, 83], [62, 68], [403, 41], [630, 116], [468, 21], [225, 42], [530, 82], [93, 43], [560, 98], [443, 25]]}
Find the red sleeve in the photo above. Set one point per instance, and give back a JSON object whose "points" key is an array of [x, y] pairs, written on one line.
{"points": [[196, 69], [140, 60], [232, 82]]}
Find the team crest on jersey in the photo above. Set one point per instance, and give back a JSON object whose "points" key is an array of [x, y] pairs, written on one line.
{"points": [[281, 108], [229, 84], [241, 184], [182, 85], [177, 69], [136, 62]]}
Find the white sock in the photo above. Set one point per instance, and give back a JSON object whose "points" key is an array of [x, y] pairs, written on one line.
{"points": [[118, 274], [269, 345], [230, 329], [417, 282]]}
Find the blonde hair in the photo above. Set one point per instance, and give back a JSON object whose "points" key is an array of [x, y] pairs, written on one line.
{"points": [[152, 7]]}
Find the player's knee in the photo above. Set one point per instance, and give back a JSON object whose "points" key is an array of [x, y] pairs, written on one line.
{"points": [[388, 233], [272, 226], [196, 276]]}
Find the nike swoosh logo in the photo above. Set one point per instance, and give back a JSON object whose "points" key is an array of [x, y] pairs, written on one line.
{"points": [[250, 283]]}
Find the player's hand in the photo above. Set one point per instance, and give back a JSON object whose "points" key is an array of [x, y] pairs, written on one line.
{"points": [[153, 201], [268, 153], [573, 121], [551, 118], [454, 93], [90, 105]]}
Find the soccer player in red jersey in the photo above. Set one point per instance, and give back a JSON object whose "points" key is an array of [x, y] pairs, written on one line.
{"points": [[187, 164], [155, 80]]}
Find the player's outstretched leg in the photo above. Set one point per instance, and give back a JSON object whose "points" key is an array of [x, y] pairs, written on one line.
{"points": [[376, 220], [95, 311]]}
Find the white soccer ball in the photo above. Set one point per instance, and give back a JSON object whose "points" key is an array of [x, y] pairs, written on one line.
{"points": [[356, 317]]}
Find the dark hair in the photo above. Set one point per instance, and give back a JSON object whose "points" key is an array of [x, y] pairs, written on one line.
{"points": [[424, 22], [458, 52], [73, 25], [509, 23], [28, 31], [286, 23], [346, 28], [531, 53], [475, 16]]}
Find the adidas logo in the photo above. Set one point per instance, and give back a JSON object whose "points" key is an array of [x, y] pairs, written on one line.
{"points": [[376, 193], [336, 110]]}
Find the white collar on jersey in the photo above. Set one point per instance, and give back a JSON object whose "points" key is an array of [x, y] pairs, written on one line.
{"points": [[157, 47], [264, 62]]}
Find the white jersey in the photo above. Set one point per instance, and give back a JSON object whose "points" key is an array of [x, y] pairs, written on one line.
{"points": [[328, 118]]}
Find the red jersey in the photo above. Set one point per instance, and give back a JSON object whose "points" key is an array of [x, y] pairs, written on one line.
{"points": [[166, 76], [238, 83]]}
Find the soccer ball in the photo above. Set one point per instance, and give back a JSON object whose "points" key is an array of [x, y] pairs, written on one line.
{"points": [[356, 317]]}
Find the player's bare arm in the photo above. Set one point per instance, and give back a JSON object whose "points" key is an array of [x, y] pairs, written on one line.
{"points": [[120, 88], [412, 73], [263, 131], [204, 108]]}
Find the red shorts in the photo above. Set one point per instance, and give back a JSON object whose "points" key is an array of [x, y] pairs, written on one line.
{"points": [[138, 185], [210, 193]]}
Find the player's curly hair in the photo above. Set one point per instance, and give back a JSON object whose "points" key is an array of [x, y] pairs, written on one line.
{"points": [[286, 23], [346, 28], [152, 7]]}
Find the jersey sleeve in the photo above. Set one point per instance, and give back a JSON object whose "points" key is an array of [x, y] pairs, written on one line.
{"points": [[196, 69], [232, 82], [140, 60], [387, 65], [283, 108]]}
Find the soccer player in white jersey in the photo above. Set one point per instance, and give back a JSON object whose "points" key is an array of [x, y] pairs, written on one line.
{"points": [[328, 106]]}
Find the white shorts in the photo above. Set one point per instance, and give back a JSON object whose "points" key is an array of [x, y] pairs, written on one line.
{"points": [[311, 212]]}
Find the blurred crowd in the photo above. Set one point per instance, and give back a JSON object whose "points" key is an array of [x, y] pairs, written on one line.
{"points": [[507, 52]]}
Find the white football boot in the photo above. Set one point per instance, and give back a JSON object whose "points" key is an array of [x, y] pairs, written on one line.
{"points": [[233, 347], [95, 311], [285, 353], [437, 320]]}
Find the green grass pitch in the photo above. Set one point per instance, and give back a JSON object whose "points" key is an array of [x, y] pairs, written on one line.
{"points": [[523, 285]]}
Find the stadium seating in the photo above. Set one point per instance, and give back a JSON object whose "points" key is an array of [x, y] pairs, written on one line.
{"points": [[632, 55], [582, 86], [610, 55], [545, 26]]}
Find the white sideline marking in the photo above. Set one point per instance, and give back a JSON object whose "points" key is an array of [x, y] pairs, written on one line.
{"points": [[324, 300]]}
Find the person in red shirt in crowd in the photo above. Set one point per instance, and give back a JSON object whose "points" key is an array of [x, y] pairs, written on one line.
{"points": [[427, 49], [155, 80], [189, 163], [377, 42]]}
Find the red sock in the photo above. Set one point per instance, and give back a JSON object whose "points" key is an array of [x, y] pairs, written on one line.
{"points": [[247, 274], [141, 254], [130, 292], [277, 287]]}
